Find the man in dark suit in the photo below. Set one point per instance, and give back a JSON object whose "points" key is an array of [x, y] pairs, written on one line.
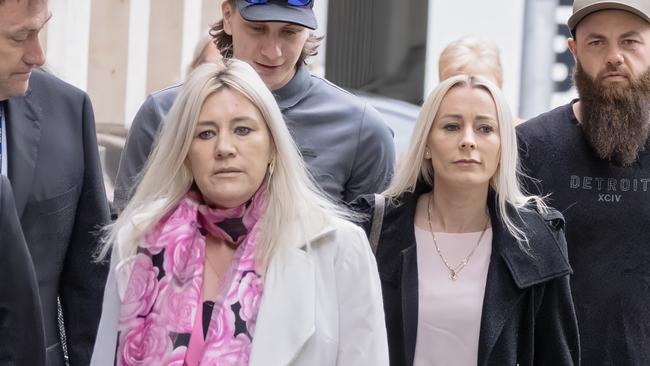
{"points": [[50, 156], [21, 325]]}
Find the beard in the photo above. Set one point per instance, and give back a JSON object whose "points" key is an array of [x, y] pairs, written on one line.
{"points": [[615, 117]]}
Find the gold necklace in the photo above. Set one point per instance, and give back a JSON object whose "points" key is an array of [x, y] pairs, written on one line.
{"points": [[454, 271]]}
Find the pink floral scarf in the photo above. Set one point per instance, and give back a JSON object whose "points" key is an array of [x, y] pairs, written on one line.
{"points": [[164, 291]]}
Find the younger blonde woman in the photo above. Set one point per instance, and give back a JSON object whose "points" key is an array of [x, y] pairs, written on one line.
{"points": [[473, 270]]}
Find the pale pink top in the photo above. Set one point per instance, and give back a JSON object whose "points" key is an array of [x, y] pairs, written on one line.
{"points": [[449, 312]]}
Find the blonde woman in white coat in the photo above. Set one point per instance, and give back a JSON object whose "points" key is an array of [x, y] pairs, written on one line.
{"points": [[228, 254]]}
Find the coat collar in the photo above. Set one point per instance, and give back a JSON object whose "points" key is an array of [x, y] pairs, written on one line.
{"points": [[511, 269], [398, 261], [400, 214], [295, 90], [24, 133], [287, 311], [545, 259]]}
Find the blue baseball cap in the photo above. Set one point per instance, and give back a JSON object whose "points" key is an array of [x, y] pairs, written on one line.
{"points": [[299, 12]]}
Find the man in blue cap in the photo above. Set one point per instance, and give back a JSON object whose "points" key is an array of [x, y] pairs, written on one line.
{"points": [[345, 143]]}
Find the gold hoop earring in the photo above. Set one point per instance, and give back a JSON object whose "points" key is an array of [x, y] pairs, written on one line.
{"points": [[271, 167]]}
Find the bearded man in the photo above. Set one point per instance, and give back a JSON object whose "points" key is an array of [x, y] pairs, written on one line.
{"points": [[591, 157]]}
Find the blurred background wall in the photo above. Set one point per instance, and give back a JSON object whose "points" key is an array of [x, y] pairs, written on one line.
{"points": [[119, 51]]}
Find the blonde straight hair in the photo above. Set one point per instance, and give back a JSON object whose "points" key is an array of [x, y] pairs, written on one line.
{"points": [[296, 208], [505, 182]]}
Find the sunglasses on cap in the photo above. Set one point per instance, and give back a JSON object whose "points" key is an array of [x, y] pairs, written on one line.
{"points": [[290, 2]]}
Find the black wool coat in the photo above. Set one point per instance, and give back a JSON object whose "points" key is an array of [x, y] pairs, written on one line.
{"points": [[528, 317]]}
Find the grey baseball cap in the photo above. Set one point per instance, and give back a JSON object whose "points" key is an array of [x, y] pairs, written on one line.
{"points": [[582, 8], [278, 11]]}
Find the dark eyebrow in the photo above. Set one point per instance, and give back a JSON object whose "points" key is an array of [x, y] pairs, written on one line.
{"points": [[234, 120], [452, 115], [254, 23], [594, 35], [486, 117], [29, 28], [632, 33], [242, 119], [460, 116], [207, 123]]}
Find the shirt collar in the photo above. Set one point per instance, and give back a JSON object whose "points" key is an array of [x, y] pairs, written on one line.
{"points": [[293, 92]]}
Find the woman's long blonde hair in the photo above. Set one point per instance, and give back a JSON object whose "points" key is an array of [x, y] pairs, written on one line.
{"points": [[296, 208], [414, 168]]}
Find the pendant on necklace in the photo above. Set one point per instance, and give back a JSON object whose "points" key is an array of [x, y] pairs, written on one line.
{"points": [[453, 275]]}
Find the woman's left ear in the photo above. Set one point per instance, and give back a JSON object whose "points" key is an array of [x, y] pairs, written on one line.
{"points": [[427, 153], [186, 164], [271, 166]]}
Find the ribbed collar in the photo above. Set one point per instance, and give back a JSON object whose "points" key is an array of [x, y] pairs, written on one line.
{"points": [[292, 93]]}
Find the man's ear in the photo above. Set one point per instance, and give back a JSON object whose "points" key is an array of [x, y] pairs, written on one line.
{"points": [[228, 12], [571, 43]]}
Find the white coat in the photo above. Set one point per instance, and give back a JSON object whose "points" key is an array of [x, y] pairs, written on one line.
{"points": [[321, 306]]}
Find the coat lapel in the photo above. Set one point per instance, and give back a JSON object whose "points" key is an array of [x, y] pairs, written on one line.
{"points": [[502, 294], [409, 285], [512, 271], [397, 260], [502, 297], [287, 311], [24, 133]]}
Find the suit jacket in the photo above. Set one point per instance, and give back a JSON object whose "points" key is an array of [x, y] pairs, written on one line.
{"points": [[22, 341], [321, 305], [528, 317], [55, 170]]}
